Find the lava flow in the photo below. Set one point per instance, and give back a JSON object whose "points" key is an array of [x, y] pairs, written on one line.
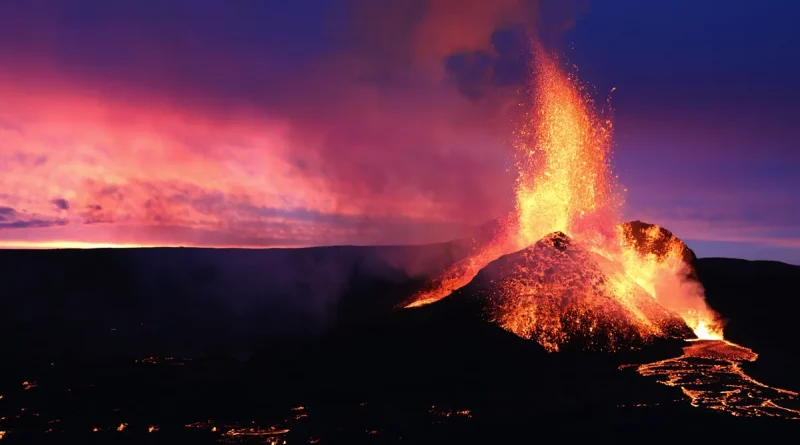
{"points": [[565, 185], [710, 374]]}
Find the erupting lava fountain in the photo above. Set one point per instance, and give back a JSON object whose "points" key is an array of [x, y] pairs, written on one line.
{"points": [[570, 268], [563, 270]]}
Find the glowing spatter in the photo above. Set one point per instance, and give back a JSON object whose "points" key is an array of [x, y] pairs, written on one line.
{"points": [[565, 185], [564, 181]]}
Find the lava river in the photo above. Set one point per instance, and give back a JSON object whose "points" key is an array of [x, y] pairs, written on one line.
{"points": [[710, 374]]}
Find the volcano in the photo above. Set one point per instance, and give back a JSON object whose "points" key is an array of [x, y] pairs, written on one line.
{"points": [[564, 294], [560, 294], [562, 267]]}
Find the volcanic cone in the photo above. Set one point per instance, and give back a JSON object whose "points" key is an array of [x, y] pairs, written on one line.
{"points": [[560, 294]]}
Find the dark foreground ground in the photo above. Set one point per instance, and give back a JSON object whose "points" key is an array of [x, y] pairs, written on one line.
{"points": [[264, 353]]}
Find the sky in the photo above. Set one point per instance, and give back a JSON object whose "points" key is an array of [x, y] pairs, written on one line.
{"points": [[318, 122]]}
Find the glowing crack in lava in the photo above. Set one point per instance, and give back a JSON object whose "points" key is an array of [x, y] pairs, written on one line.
{"points": [[565, 186], [710, 374]]}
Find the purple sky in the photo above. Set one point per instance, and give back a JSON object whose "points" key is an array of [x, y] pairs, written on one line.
{"points": [[312, 122]]}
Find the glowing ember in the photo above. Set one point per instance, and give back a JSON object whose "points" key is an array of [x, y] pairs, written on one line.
{"points": [[710, 374], [271, 435], [236, 433], [439, 413], [271, 431], [173, 361], [565, 186], [122, 427]]}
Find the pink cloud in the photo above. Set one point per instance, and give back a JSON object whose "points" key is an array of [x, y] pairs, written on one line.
{"points": [[368, 141], [125, 162], [153, 139]]}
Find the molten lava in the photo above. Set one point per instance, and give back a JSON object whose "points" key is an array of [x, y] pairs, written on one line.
{"points": [[557, 293], [565, 186], [709, 373], [564, 181]]}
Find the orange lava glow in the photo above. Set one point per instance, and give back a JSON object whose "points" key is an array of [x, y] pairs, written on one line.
{"points": [[709, 373], [557, 292], [462, 272], [565, 184], [564, 181]]}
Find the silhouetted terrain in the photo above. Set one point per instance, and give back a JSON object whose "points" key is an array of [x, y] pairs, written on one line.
{"points": [[268, 331], [760, 301], [122, 302]]}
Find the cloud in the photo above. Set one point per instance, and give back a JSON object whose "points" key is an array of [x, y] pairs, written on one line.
{"points": [[160, 206], [381, 122], [477, 74], [33, 223], [12, 219], [425, 31], [358, 121], [7, 213], [60, 203]]}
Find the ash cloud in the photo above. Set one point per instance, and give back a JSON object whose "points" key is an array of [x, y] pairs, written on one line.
{"points": [[423, 31]]}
